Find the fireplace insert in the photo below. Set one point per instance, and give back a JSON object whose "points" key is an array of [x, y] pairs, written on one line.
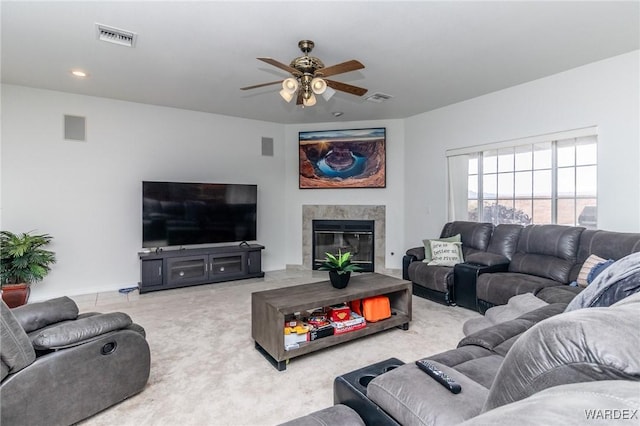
{"points": [[354, 236]]}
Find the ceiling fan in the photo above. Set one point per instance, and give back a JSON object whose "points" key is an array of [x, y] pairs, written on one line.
{"points": [[309, 77]]}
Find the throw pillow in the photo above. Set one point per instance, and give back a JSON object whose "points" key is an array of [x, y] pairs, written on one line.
{"points": [[587, 266], [427, 245], [617, 282], [596, 270], [444, 253]]}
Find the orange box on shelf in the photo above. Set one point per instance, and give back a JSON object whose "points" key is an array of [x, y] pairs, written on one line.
{"points": [[376, 308]]}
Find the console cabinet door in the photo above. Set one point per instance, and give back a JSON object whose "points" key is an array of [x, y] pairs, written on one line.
{"points": [[254, 262], [227, 265], [151, 273], [187, 270]]}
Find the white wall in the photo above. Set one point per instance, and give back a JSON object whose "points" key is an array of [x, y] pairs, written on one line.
{"points": [[604, 93], [88, 194], [392, 196]]}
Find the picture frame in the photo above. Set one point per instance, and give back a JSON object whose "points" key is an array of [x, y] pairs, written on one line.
{"points": [[346, 158]]}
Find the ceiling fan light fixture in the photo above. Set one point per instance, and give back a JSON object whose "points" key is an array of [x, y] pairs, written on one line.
{"points": [[307, 77], [310, 101], [290, 85], [318, 86], [286, 95], [328, 93]]}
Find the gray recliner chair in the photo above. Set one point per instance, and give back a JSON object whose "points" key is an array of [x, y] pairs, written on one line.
{"points": [[59, 367]]}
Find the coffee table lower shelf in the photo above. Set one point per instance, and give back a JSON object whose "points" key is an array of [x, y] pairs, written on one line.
{"points": [[399, 321], [268, 309]]}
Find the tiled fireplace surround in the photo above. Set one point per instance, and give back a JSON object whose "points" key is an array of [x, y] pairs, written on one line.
{"points": [[344, 212]]}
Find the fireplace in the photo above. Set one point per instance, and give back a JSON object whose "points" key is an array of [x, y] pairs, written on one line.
{"points": [[354, 236], [375, 213]]}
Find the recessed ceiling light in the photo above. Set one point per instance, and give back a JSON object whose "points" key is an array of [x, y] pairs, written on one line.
{"points": [[79, 73]]}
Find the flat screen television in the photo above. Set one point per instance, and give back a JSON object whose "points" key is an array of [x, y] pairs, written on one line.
{"points": [[179, 213]]}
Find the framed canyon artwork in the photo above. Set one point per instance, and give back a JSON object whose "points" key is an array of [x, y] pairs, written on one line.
{"points": [[353, 158]]}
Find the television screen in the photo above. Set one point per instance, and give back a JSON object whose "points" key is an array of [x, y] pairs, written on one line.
{"points": [[178, 214]]}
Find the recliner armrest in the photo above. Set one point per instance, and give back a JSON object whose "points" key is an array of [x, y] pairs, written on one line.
{"points": [[72, 333], [488, 259], [417, 252], [37, 315]]}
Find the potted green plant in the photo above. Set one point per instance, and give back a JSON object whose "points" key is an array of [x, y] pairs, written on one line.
{"points": [[23, 260], [340, 268]]}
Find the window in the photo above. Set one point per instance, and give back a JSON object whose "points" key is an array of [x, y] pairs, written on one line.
{"points": [[532, 181]]}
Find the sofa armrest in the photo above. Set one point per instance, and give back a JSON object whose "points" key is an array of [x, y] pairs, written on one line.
{"points": [[72, 333], [37, 315], [417, 252], [487, 259]]}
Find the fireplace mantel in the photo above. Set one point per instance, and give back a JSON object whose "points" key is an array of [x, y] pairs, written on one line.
{"points": [[376, 213]]}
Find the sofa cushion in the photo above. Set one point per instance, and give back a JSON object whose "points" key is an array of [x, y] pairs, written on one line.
{"points": [[616, 283], [439, 278], [412, 397], [558, 294], [606, 244], [500, 337], [338, 415], [475, 362], [499, 287], [578, 346], [473, 234], [517, 305], [548, 251], [504, 240]]}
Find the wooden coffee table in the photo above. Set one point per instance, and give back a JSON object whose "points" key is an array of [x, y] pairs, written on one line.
{"points": [[268, 310]]}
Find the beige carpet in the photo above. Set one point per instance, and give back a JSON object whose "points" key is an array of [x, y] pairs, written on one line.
{"points": [[206, 371]]}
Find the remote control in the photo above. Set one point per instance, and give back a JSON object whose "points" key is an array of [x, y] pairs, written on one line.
{"points": [[438, 375]]}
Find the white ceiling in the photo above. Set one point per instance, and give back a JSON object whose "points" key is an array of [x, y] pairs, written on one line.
{"points": [[196, 55]]}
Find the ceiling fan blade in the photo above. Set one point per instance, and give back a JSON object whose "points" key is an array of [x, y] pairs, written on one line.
{"points": [[351, 65], [280, 65], [344, 87], [261, 85]]}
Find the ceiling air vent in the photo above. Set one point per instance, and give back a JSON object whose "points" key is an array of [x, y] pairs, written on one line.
{"points": [[116, 36], [378, 97]]}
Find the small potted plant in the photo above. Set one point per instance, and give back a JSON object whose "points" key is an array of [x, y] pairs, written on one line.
{"points": [[23, 260], [340, 268]]}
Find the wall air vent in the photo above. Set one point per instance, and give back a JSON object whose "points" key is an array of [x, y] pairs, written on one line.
{"points": [[378, 97], [116, 36]]}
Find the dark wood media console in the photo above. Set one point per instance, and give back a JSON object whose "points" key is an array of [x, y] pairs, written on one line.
{"points": [[167, 269]]}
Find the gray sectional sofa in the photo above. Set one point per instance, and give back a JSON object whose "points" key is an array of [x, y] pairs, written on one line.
{"points": [[521, 260], [557, 364], [512, 361]]}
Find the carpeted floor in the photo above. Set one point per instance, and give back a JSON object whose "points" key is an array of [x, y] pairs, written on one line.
{"points": [[206, 371]]}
